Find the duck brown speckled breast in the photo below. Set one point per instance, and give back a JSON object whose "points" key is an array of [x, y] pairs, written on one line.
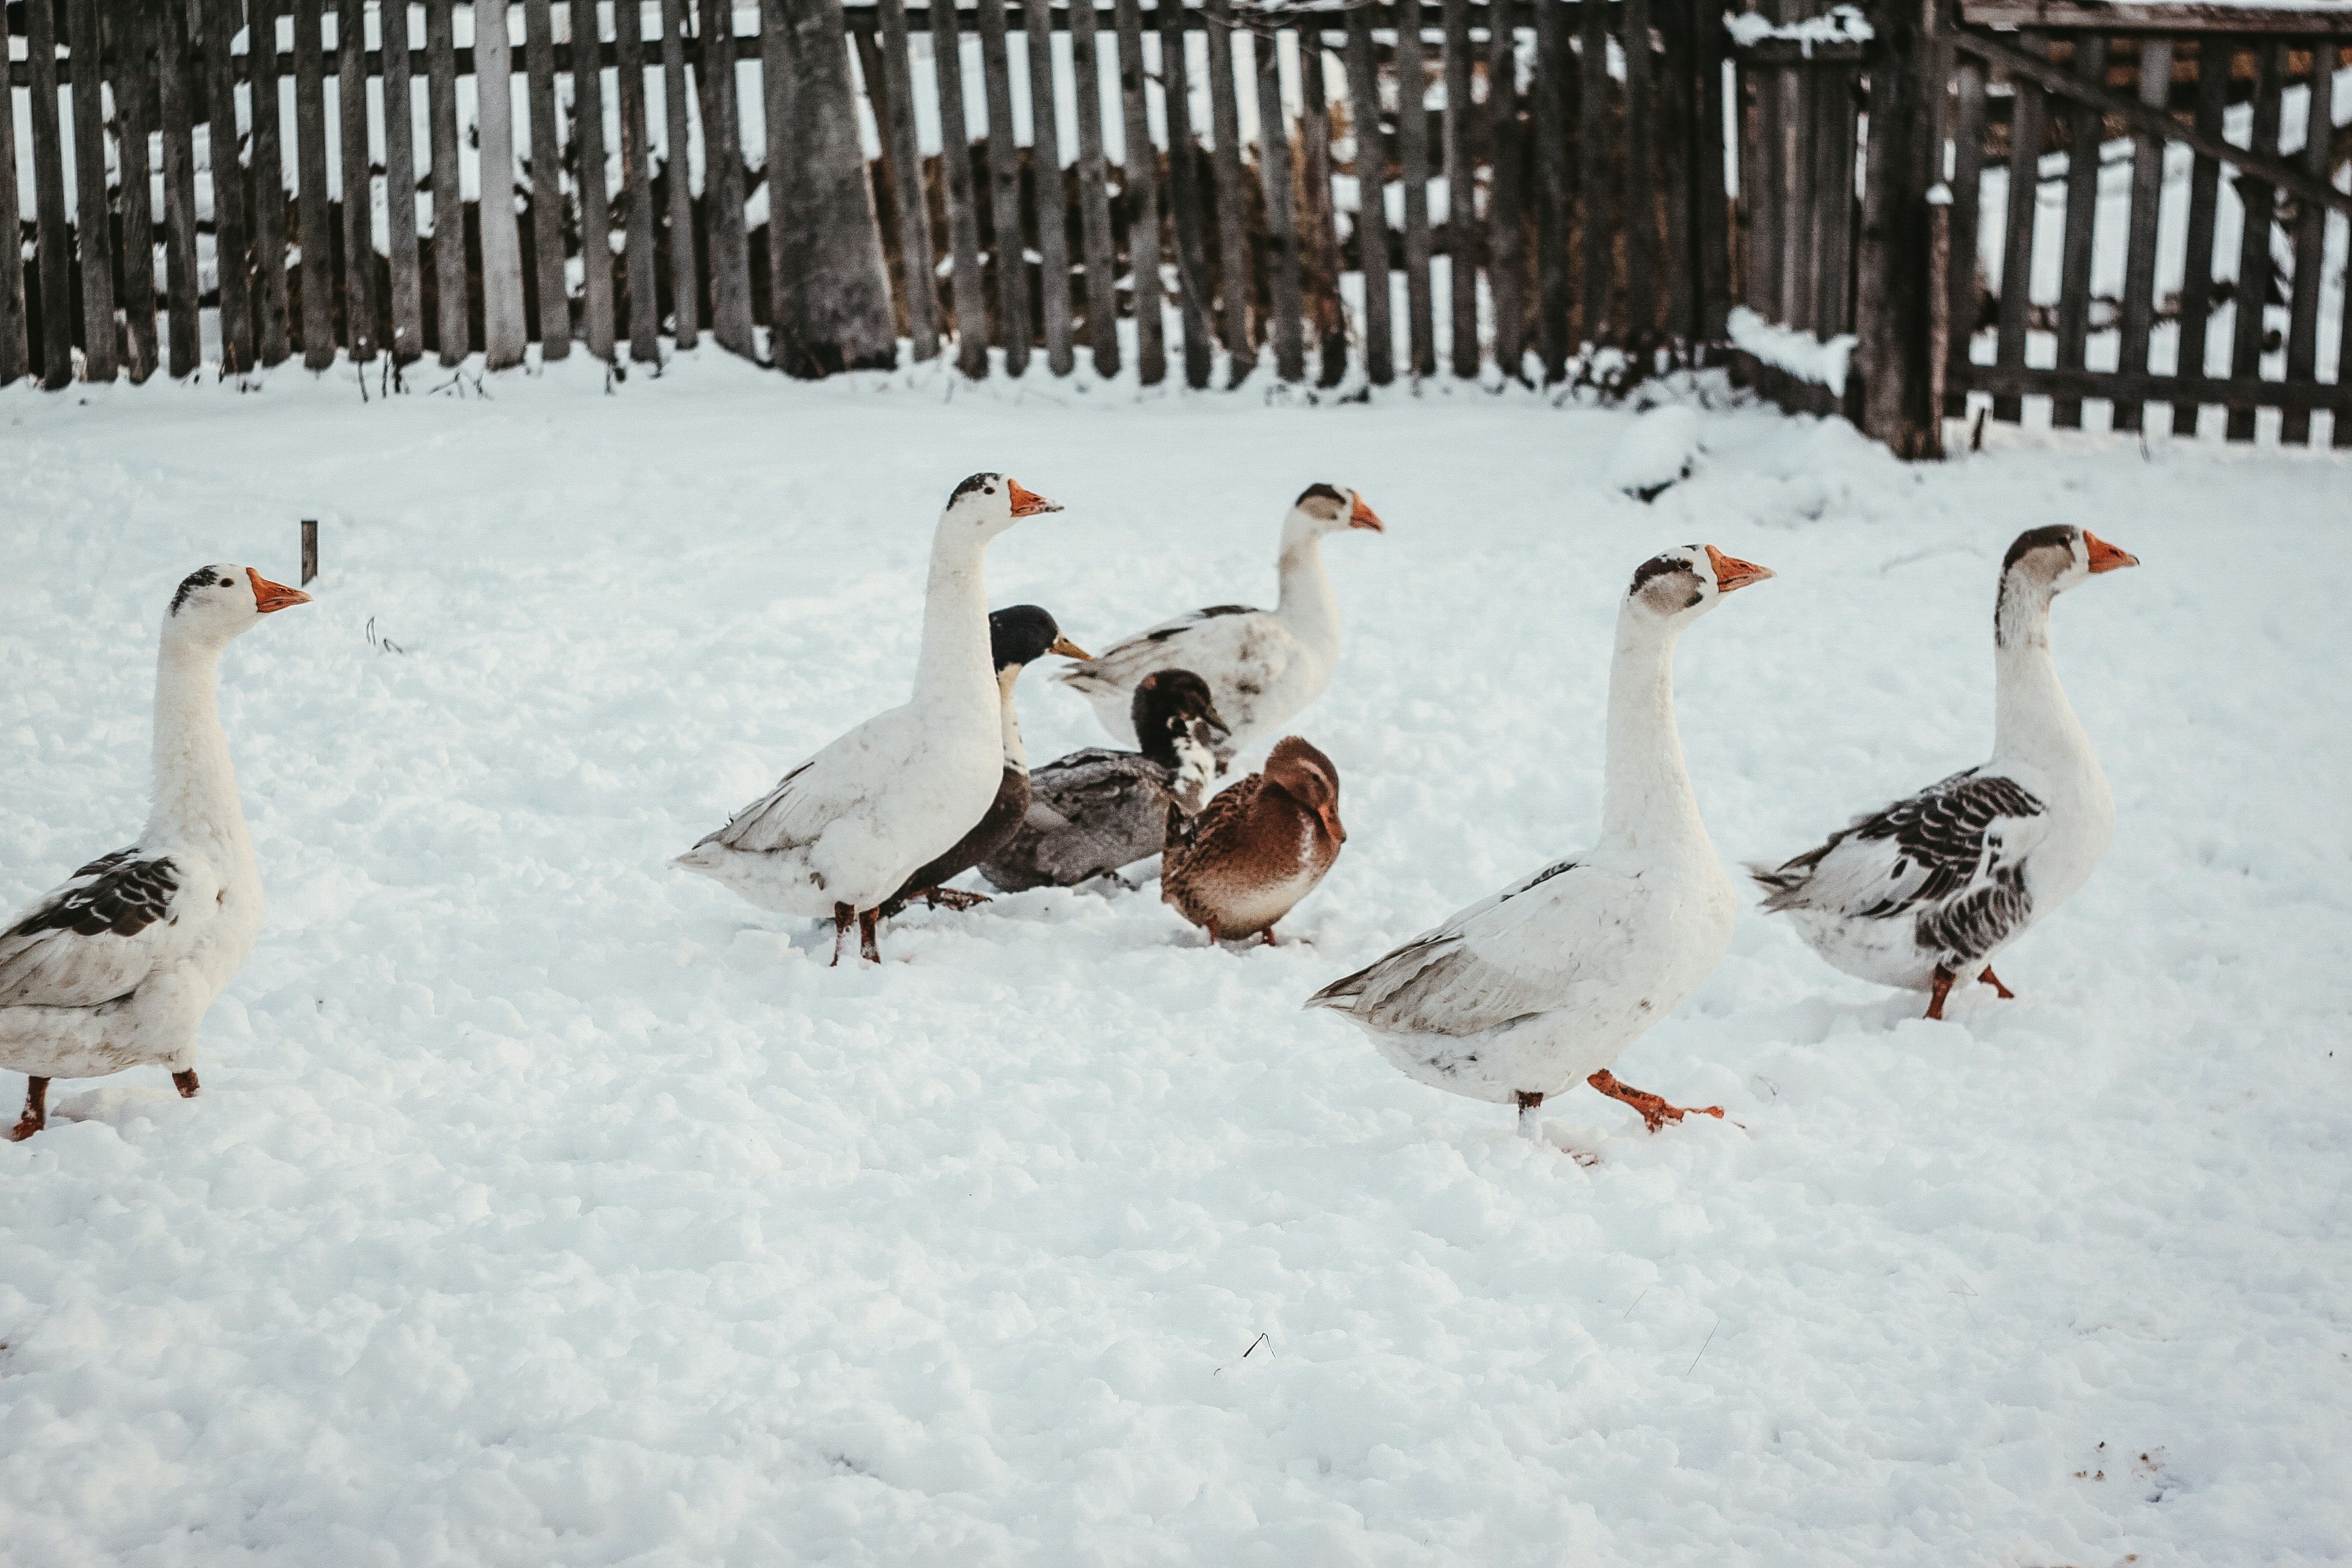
{"points": [[1258, 848]]}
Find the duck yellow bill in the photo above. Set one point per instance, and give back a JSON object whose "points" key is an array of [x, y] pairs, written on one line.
{"points": [[1028, 502], [2106, 557], [269, 596], [1069, 650], [1731, 572], [1363, 516]]}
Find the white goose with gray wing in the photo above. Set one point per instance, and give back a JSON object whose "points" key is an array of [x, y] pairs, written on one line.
{"points": [[1262, 665], [1925, 894], [1542, 986], [116, 967]]}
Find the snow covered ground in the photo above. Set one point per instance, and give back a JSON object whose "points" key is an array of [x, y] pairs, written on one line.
{"points": [[548, 1206]]}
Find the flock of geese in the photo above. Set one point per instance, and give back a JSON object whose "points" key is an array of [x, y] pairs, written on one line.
{"points": [[1514, 999]]}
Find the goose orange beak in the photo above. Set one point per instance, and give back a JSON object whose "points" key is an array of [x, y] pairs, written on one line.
{"points": [[1363, 516], [1731, 572], [1028, 502], [1330, 815], [1069, 650], [2106, 557], [269, 596]]}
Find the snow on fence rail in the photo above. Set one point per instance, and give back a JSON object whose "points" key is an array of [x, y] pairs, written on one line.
{"points": [[2168, 284], [1533, 190]]}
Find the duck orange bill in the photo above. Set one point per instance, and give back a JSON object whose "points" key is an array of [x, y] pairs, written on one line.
{"points": [[1330, 815], [269, 596], [1731, 572], [1029, 504], [1069, 650], [1363, 516], [2106, 557]]}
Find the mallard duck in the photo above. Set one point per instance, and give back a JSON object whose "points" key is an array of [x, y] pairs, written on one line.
{"points": [[116, 967], [1929, 891], [1017, 639], [1095, 810], [1543, 985], [1257, 848], [840, 833], [1262, 665]]}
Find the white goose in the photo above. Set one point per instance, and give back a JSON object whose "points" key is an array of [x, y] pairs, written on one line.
{"points": [[1262, 665], [1543, 985], [839, 833], [1929, 889], [116, 968]]}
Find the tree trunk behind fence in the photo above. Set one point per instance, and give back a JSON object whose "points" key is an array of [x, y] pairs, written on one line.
{"points": [[846, 319]]}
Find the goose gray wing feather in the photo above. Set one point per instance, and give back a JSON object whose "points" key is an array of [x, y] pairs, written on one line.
{"points": [[102, 933], [1951, 859]]}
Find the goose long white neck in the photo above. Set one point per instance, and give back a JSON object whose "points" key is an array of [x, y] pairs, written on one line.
{"points": [[1016, 755], [2031, 715], [954, 671], [1647, 804], [1307, 606], [196, 784]]}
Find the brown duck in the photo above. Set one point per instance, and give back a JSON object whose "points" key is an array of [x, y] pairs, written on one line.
{"points": [[1257, 848]]}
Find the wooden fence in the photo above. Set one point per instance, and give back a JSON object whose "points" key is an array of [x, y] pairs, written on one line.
{"points": [[1579, 147], [2010, 90]]}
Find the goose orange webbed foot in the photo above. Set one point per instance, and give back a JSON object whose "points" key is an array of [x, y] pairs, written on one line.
{"points": [[1655, 1112], [36, 1110], [1990, 978]]}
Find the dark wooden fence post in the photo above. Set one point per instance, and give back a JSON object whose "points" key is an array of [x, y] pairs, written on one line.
{"points": [[1461, 192], [15, 359], [1285, 326], [678, 99], [1093, 192], [1184, 193], [1005, 248], [271, 302], [549, 293], [722, 183], [310, 551], [171, 74], [454, 324], [53, 257], [92, 230], [1231, 201], [967, 290], [1506, 269], [1046, 179], [596, 196], [131, 69], [915, 255], [1892, 310], [1142, 196], [1371, 201], [359, 197], [232, 255], [1412, 170], [636, 184], [399, 184]]}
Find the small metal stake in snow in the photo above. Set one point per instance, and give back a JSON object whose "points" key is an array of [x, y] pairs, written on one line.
{"points": [[310, 550]]}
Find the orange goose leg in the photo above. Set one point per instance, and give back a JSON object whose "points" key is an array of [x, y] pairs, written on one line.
{"points": [[1990, 978], [842, 915], [1943, 979], [1655, 1112], [1531, 1123], [36, 1110], [186, 1082], [867, 948]]}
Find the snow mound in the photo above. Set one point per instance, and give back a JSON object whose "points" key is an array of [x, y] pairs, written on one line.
{"points": [[1660, 446]]}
